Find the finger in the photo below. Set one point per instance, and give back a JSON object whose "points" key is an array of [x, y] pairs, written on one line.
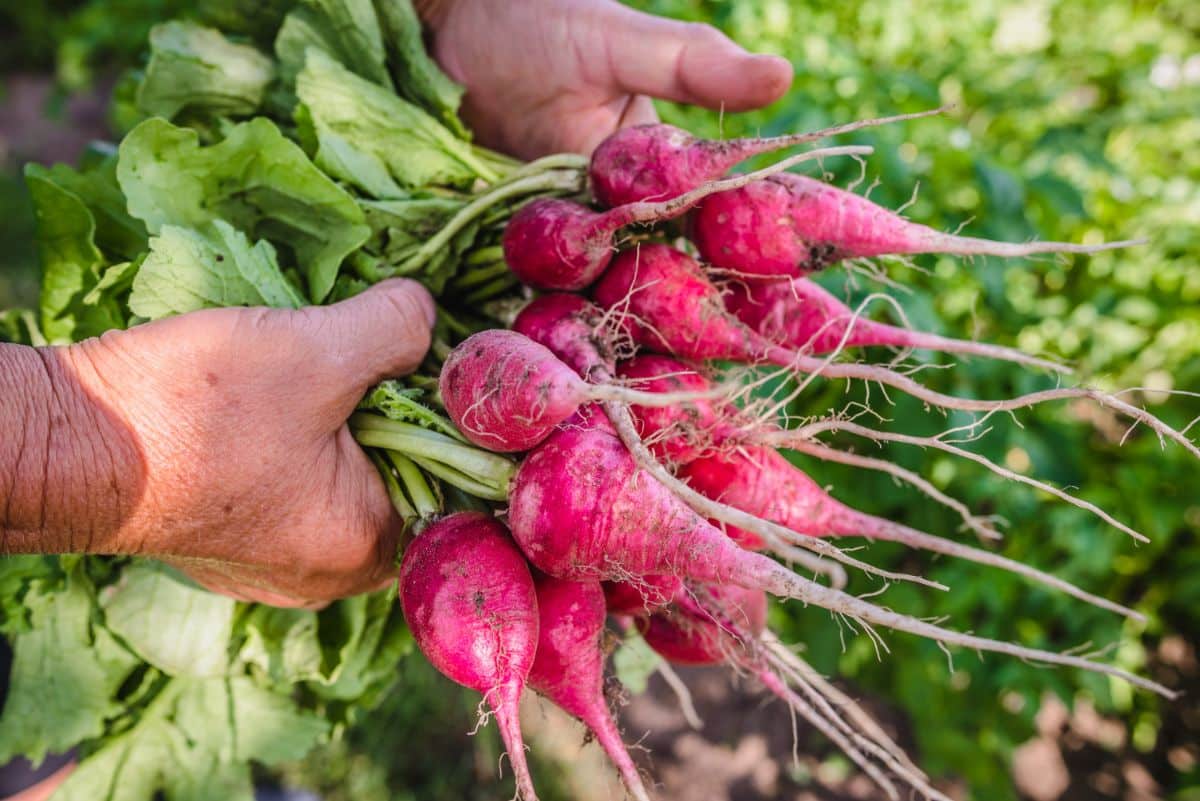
{"points": [[691, 63], [381, 333], [576, 134], [46, 787], [379, 528], [638, 111]]}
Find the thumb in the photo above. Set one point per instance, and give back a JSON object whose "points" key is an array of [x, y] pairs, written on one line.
{"points": [[691, 63], [381, 333]]}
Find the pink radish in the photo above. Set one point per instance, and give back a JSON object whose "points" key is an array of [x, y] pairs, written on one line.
{"points": [[659, 161], [575, 330], [683, 432], [790, 225], [801, 314], [669, 305], [720, 465], [581, 509], [641, 595], [506, 392], [689, 635], [760, 481], [552, 243], [568, 326], [469, 599], [569, 668], [572, 328]]}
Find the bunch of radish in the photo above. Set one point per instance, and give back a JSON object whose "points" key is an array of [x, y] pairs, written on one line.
{"points": [[650, 484]]}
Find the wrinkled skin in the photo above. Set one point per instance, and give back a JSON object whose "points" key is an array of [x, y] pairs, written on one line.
{"points": [[552, 77], [217, 441]]}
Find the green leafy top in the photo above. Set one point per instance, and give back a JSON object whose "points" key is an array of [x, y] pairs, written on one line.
{"points": [[255, 179], [196, 68]]}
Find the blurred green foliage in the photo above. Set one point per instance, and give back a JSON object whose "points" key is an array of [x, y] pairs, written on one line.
{"points": [[77, 40], [1072, 120]]}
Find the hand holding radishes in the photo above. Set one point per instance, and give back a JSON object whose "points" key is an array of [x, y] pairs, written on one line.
{"points": [[547, 94], [181, 439]]}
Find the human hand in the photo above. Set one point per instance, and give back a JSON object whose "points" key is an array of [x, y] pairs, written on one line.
{"points": [[230, 455], [545, 77]]}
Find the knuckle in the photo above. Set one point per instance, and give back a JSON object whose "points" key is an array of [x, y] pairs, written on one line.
{"points": [[704, 33], [413, 333]]}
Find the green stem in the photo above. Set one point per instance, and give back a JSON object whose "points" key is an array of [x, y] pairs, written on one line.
{"points": [[555, 161], [463, 481], [499, 215], [495, 157], [426, 382], [475, 160], [485, 255], [414, 441], [35, 333], [491, 290], [394, 490], [459, 501], [454, 325], [480, 275], [535, 183], [418, 488]]}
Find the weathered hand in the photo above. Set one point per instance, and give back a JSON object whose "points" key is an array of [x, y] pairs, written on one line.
{"points": [[217, 441], [545, 77]]}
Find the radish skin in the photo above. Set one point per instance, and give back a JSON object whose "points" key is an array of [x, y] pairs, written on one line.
{"points": [[690, 635], [763, 483], [790, 225], [801, 314], [569, 668], [553, 243], [642, 595], [760, 481], [571, 327], [669, 305], [658, 161], [683, 433], [506, 392], [581, 510], [568, 327], [781, 582], [470, 602]]}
